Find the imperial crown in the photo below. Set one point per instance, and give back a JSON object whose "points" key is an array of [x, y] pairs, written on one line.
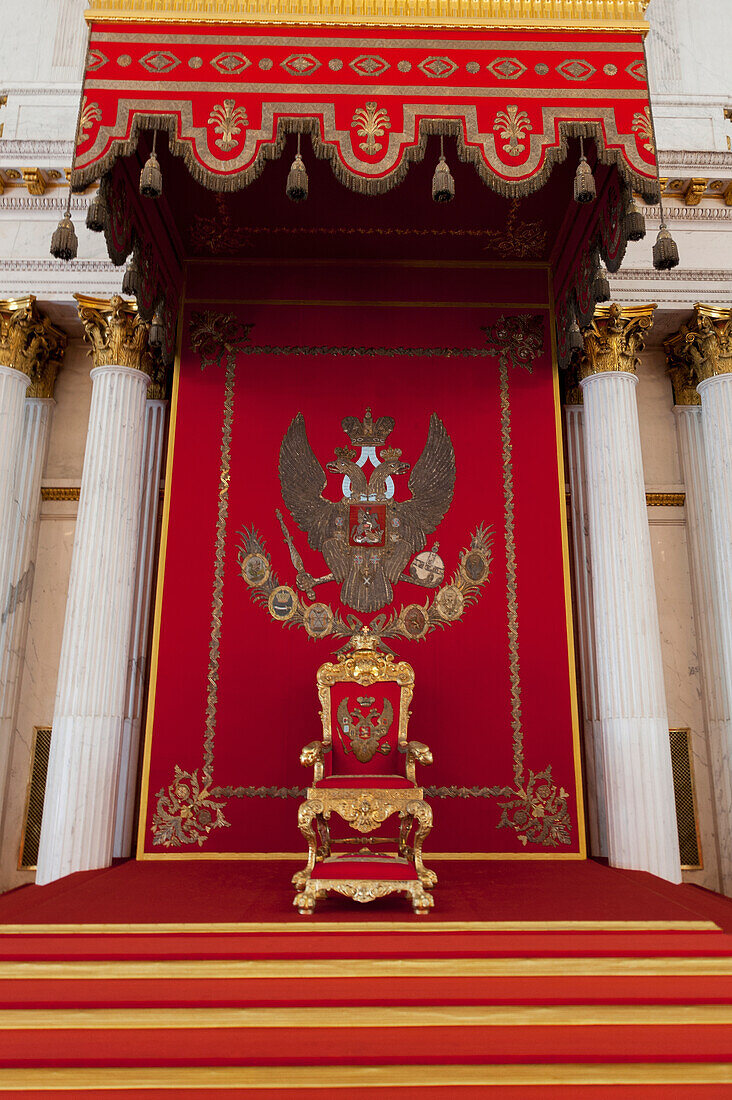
{"points": [[367, 432]]}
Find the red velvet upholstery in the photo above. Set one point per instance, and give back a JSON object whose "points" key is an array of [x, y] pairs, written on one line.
{"points": [[379, 782], [366, 867]]}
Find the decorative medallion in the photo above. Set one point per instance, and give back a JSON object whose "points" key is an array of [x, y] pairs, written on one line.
{"points": [[301, 64], [159, 61], [282, 601], [231, 63], [576, 69], [254, 569], [637, 69], [369, 65], [95, 61], [506, 68], [438, 67]]}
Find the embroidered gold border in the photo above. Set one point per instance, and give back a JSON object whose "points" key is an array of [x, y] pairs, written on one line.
{"points": [[408, 924]]}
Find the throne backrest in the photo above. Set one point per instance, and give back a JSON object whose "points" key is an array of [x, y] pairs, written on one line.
{"points": [[364, 701]]}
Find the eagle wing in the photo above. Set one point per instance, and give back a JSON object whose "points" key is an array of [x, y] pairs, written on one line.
{"points": [[431, 484], [303, 480]]}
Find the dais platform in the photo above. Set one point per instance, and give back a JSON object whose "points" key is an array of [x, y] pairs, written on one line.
{"points": [[174, 978]]}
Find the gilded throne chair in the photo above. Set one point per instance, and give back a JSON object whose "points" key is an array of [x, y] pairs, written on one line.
{"points": [[364, 774]]}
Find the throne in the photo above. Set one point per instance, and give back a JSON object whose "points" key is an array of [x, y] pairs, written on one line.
{"points": [[364, 772]]}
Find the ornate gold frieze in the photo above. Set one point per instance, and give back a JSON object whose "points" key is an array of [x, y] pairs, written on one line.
{"points": [[30, 343], [117, 334], [700, 350], [665, 500], [605, 15], [614, 339], [60, 492]]}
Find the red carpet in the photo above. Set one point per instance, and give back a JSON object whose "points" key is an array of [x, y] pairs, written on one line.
{"points": [[527, 980]]}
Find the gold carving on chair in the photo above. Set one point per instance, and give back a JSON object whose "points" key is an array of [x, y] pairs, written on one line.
{"points": [[358, 729]]}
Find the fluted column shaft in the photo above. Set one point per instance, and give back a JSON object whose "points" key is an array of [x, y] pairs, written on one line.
{"points": [[13, 386], [584, 618], [81, 789], [154, 432], [22, 534], [709, 613], [641, 817]]}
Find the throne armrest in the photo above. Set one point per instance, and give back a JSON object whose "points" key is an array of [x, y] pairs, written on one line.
{"points": [[417, 753], [312, 757]]}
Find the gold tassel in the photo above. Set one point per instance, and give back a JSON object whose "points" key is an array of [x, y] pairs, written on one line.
{"points": [[131, 278], [584, 181], [601, 287], [443, 185], [151, 178], [64, 242], [665, 251], [297, 179], [574, 337], [635, 223], [95, 214], [157, 330]]}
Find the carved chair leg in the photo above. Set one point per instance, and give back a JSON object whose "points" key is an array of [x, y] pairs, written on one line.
{"points": [[422, 902], [422, 813], [305, 901], [324, 832], [405, 824], [306, 816]]}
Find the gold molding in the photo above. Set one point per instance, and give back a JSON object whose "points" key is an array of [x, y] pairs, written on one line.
{"points": [[289, 1078], [558, 15], [60, 492], [30, 344], [405, 925], [614, 339], [206, 970], [372, 1016], [117, 334], [666, 500]]}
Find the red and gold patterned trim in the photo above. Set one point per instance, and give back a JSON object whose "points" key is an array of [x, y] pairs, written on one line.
{"points": [[228, 96]]}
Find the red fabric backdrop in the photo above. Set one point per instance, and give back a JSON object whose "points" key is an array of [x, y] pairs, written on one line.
{"points": [[224, 661]]}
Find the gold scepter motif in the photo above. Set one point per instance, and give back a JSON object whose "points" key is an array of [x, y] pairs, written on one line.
{"points": [[294, 555]]}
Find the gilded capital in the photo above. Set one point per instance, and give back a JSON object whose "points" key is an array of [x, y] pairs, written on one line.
{"points": [[117, 334], [29, 343], [614, 339], [700, 350]]}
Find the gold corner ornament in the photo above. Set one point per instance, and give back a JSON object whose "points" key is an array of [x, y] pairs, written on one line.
{"points": [[700, 350], [614, 339], [29, 343], [589, 15], [370, 540], [117, 334]]}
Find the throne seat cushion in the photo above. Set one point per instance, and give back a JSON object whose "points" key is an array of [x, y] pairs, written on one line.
{"points": [[370, 867], [372, 782]]}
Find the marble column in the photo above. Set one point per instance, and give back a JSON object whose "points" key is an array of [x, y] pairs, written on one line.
{"points": [[700, 365], [83, 771], [30, 350], [584, 619], [641, 815], [140, 635]]}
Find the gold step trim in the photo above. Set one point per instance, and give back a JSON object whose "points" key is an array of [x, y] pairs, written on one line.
{"points": [[313, 969], [76, 1079], [409, 924], [377, 1017]]}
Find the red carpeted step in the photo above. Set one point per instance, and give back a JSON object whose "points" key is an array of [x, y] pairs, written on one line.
{"points": [[554, 989], [198, 1044]]}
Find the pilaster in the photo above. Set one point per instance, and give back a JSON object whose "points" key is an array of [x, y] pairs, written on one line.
{"points": [[83, 771], [631, 704]]}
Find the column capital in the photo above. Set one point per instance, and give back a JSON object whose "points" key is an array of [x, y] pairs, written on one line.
{"points": [[29, 343], [116, 332], [700, 350], [614, 338]]}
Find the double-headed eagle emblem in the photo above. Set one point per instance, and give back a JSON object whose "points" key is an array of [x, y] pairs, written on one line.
{"points": [[368, 537]]}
